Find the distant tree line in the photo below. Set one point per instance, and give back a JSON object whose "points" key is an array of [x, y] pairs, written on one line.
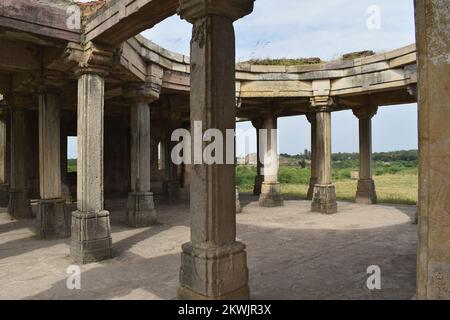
{"points": [[392, 156]]}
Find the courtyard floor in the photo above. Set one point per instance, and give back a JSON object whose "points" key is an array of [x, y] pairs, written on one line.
{"points": [[292, 254]]}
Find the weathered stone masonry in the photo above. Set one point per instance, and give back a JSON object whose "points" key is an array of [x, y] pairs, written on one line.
{"points": [[125, 94]]}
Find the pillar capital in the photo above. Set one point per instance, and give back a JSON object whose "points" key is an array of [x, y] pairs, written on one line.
{"points": [[321, 101], [321, 104], [89, 58], [140, 92], [192, 10], [365, 112]]}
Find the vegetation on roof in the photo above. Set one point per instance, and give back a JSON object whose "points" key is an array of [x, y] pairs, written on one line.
{"points": [[283, 62], [358, 54]]}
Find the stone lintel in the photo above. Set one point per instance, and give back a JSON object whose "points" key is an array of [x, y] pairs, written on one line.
{"points": [[192, 10]]}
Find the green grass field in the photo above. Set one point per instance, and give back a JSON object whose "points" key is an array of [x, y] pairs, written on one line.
{"points": [[395, 183]]}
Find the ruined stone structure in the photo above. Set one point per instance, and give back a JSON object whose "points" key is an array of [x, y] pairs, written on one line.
{"points": [[122, 96]]}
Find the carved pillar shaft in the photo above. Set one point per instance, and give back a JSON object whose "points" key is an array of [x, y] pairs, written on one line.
{"points": [[141, 208], [91, 231], [365, 193], [171, 185], [268, 143], [214, 265], [259, 178], [324, 197], [4, 180], [53, 219], [313, 180], [433, 262], [19, 202]]}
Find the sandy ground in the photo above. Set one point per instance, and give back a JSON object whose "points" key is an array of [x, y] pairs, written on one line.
{"points": [[292, 254]]}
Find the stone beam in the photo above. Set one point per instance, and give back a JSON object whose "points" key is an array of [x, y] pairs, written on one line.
{"points": [[46, 18], [118, 21], [16, 57]]}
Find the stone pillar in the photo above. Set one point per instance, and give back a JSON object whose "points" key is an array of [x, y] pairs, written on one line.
{"points": [[214, 264], [324, 198], [171, 184], [259, 178], [268, 140], [238, 202], [19, 203], [91, 231], [433, 44], [4, 186], [313, 180], [141, 207], [65, 190], [52, 218], [365, 193]]}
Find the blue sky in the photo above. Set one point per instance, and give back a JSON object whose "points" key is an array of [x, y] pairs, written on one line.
{"points": [[325, 29]]}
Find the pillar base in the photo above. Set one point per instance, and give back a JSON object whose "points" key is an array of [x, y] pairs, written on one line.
{"points": [[366, 193], [4, 195], [324, 200], [312, 183], [91, 237], [259, 179], [19, 206], [271, 195], [171, 189], [238, 202], [53, 219], [214, 273], [141, 209]]}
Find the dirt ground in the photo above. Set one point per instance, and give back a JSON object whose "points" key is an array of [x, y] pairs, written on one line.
{"points": [[292, 254]]}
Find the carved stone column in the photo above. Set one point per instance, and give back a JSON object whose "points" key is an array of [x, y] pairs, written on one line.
{"points": [[171, 184], [259, 178], [214, 264], [365, 193], [324, 198], [91, 231], [19, 202], [52, 219], [433, 45], [4, 181], [141, 207], [313, 180], [268, 140]]}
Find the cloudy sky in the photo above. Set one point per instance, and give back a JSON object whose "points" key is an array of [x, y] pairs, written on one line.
{"points": [[325, 29]]}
